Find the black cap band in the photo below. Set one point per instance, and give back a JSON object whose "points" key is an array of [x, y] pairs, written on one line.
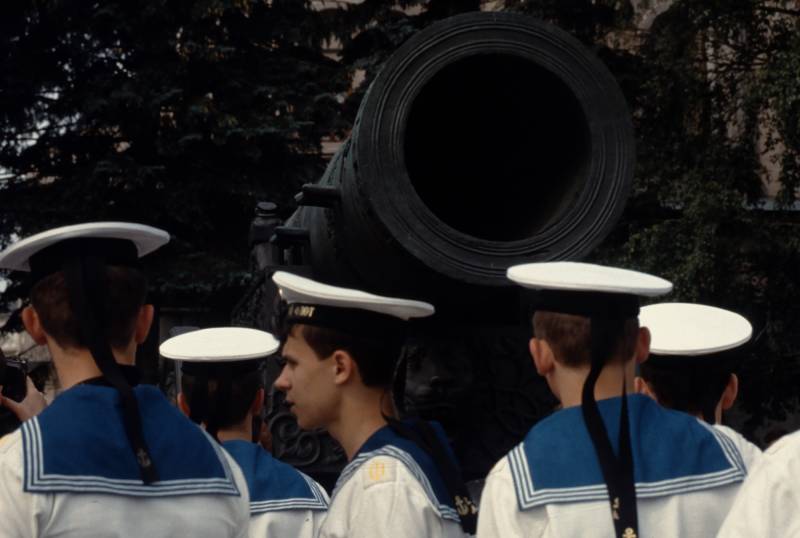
{"points": [[216, 369], [349, 320], [590, 304], [121, 252], [730, 358]]}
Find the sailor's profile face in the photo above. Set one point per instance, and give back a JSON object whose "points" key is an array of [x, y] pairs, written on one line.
{"points": [[307, 381]]}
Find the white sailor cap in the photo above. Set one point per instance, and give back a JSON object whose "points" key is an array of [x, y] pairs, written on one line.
{"points": [[314, 303], [220, 345], [220, 353], [587, 289], [693, 330], [119, 243], [82, 252]]}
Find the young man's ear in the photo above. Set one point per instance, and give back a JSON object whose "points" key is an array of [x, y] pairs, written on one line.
{"points": [[258, 403], [730, 392], [144, 319], [183, 405], [642, 345], [32, 323], [542, 353], [344, 367]]}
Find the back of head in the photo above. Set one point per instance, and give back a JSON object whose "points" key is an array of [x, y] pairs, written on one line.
{"points": [[126, 293], [691, 388], [235, 407], [569, 336]]}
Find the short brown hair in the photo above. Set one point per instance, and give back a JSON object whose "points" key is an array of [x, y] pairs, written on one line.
{"points": [[569, 337], [376, 357], [126, 293]]}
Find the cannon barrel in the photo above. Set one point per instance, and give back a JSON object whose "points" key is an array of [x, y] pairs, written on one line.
{"points": [[486, 140]]}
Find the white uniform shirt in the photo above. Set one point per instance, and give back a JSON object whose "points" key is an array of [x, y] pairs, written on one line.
{"points": [[91, 515], [767, 504], [685, 512], [390, 490], [751, 454], [70, 473], [283, 501], [290, 523], [384, 498], [297, 522]]}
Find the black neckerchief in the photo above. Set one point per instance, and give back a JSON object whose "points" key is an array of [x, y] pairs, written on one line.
{"points": [[607, 313], [86, 282]]}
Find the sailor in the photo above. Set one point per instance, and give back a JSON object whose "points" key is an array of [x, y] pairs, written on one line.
{"points": [[606, 464], [767, 502], [221, 388], [341, 347], [109, 457], [694, 352]]}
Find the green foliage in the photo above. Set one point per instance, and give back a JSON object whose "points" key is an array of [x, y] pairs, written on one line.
{"points": [[590, 21], [173, 113], [183, 114], [371, 31], [716, 103]]}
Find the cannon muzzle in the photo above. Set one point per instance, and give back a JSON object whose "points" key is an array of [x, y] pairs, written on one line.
{"points": [[486, 140]]}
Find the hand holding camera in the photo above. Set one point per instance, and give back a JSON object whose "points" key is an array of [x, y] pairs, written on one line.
{"points": [[31, 405], [18, 394]]}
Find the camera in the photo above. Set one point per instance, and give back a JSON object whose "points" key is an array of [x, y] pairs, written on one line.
{"points": [[12, 377]]}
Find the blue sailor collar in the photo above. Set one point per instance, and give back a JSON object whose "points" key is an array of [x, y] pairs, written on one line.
{"points": [[673, 453], [274, 485], [78, 445], [386, 442]]}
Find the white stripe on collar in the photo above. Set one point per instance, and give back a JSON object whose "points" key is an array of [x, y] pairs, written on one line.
{"points": [[298, 503], [445, 512], [36, 480], [529, 497]]}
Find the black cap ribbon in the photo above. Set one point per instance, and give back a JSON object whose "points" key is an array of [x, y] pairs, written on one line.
{"points": [[423, 435], [85, 278], [617, 470], [607, 312]]}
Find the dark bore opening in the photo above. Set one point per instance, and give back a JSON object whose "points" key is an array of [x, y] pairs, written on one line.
{"points": [[497, 147]]}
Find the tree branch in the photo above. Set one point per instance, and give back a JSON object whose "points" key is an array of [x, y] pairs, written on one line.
{"points": [[781, 10]]}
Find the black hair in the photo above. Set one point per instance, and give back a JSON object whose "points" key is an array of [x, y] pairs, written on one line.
{"points": [[692, 388], [243, 389]]}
